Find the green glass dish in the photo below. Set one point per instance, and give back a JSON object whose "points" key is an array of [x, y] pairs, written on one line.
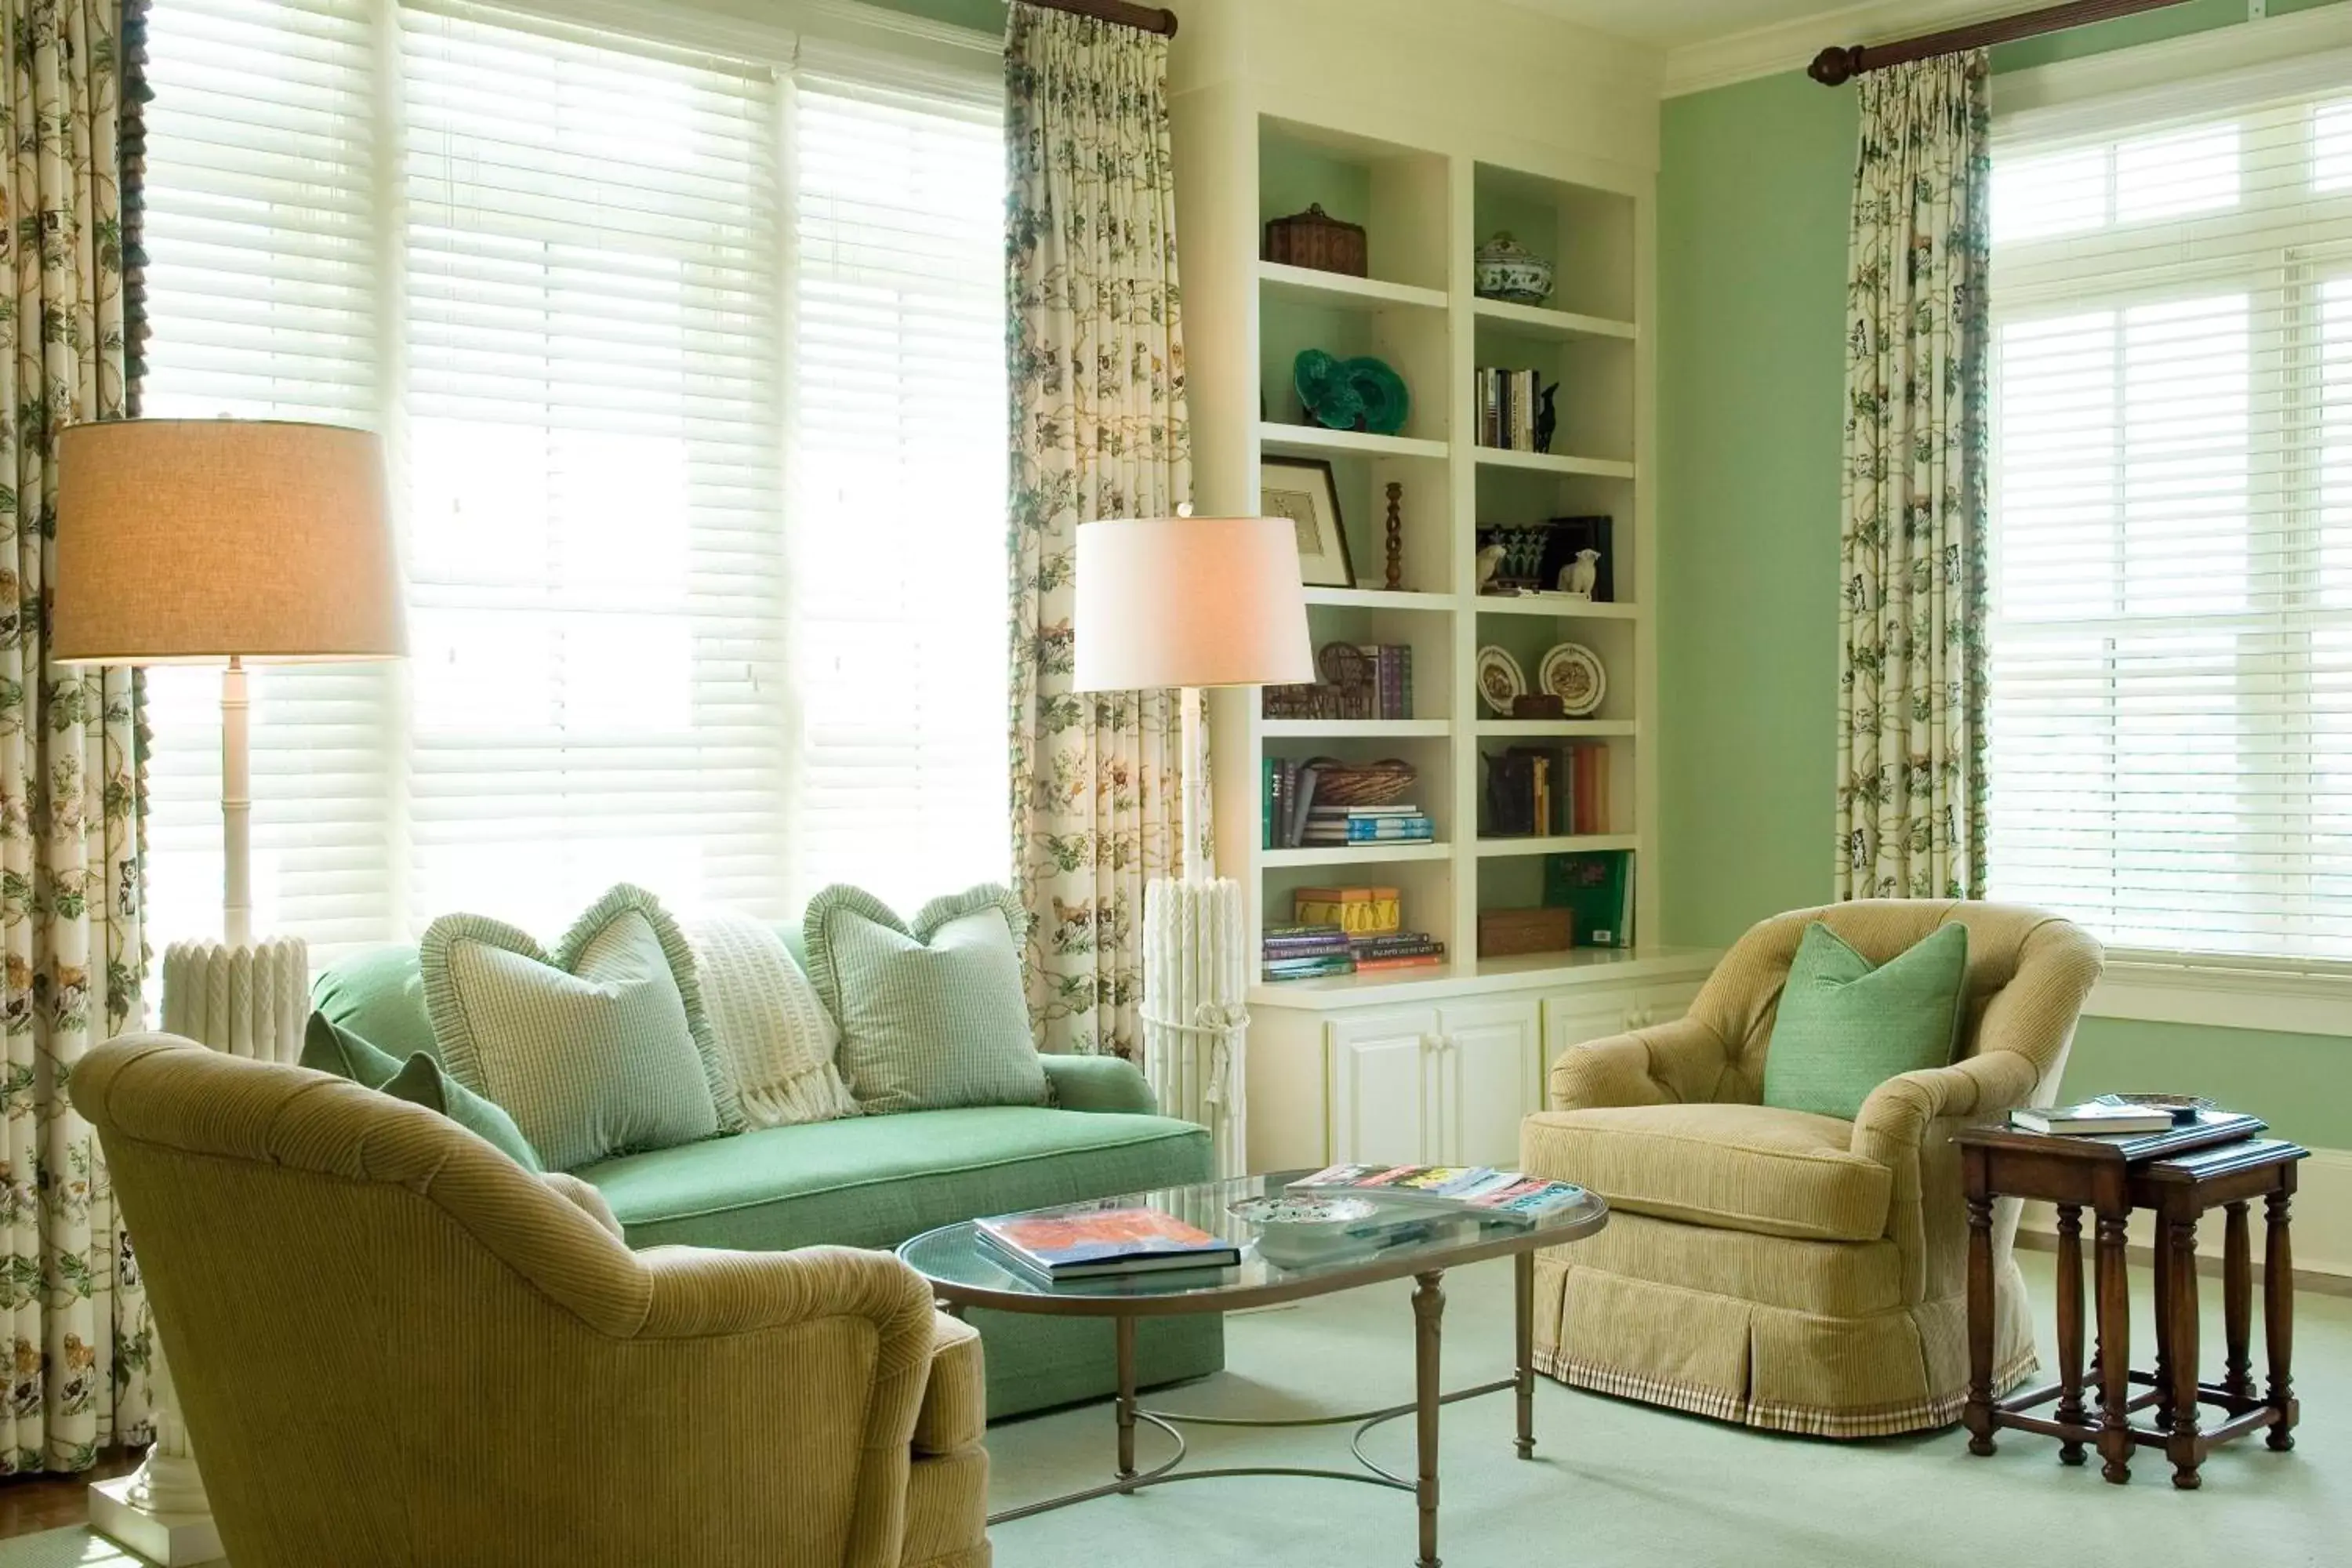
{"points": [[1360, 394]]}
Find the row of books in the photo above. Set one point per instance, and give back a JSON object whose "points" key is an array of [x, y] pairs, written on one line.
{"points": [[1479, 1190], [1533, 791], [1510, 403], [1314, 952]]}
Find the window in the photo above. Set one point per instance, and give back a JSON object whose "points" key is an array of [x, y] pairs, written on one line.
{"points": [[2171, 729], [690, 373]]}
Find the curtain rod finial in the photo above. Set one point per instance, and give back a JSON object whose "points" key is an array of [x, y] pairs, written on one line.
{"points": [[1835, 66]]}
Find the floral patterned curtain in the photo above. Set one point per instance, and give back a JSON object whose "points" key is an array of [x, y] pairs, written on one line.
{"points": [[1099, 431], [1911, 677], [72, 785]]}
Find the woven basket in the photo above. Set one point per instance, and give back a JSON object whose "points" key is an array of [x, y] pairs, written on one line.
{"points": [[1360, 784]]}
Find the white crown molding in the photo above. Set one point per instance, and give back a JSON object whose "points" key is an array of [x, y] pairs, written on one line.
{"points": [[1791, 46]]}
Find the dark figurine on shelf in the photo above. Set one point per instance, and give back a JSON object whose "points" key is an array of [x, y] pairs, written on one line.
{"points": [[1547, 416], [1395, 538]]}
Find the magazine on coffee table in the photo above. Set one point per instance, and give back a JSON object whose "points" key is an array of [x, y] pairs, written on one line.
{"points": [[1479, 1190]]}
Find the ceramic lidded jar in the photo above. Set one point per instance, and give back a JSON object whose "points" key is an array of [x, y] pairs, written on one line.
{"points": [[1509, 271]]}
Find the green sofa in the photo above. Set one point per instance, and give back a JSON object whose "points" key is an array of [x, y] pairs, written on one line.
{"points": [[875, 1180]]}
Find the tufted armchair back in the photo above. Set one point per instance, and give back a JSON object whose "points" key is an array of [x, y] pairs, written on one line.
{"points": [[2028, 973]]}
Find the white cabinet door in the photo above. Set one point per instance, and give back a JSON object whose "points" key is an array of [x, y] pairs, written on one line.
{"points": [[1383, 1085], [1489, 1079]]}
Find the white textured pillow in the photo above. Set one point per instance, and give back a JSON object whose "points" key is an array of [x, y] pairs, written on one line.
{"points": [[767, 1020]]}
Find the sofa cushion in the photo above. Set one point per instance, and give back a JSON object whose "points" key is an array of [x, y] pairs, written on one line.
{"points": [[933, 1012], [424, 1081], [596, 1048], [777, 1037], [1844, 1026], [875, 1180], [1738, 1167]]}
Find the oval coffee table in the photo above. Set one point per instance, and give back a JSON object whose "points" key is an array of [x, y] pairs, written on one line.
{"points": [[1417, 1241]]}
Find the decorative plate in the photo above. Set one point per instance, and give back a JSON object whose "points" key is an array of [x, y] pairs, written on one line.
{"points": [[1302, 1209], [1500, 679], [1572, 673], [1362, 393]]}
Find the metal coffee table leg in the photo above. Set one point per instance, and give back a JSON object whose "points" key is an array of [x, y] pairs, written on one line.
{"points": [[1523, 1293], [1124, 1328]]}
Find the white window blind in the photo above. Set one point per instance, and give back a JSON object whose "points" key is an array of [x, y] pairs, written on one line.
{"points": [[690, 375], [2170, 720]]}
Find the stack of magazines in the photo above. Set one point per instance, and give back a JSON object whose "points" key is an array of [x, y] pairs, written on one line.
{"points": [[1305, 953], [1087, 1241], [1476, 1190]]}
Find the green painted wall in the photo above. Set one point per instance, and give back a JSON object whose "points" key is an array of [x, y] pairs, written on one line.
{"points": [[1752, 202]]}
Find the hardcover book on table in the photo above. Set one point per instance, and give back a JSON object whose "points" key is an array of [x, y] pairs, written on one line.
{"points": [[1082, 1243]]}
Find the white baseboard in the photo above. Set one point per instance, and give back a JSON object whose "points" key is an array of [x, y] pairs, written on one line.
{"points": [[2322, 1215]]}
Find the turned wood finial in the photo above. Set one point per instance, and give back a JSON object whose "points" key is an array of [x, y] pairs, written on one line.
{"points": [[1835, 66]]}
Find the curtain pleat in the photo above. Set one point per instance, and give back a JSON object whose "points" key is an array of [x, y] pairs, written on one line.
{"points": [[1099, 430], [72, 954], [1911, 678]]}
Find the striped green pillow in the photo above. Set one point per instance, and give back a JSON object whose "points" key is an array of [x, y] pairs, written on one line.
{"points": [[933, 1014], [598, 1048]]}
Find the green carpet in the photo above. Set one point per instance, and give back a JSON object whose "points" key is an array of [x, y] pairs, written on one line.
{"points": [[1619, 1484]]}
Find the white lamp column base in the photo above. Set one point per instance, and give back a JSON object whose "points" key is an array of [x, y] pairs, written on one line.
{"points": [[247, 999], [160, 1511]]}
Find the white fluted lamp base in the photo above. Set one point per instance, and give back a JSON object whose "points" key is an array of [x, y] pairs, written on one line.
{"points": [[247, 999]]}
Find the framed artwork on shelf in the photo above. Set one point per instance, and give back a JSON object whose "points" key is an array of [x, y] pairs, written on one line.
{"points": [[1303, 490]]}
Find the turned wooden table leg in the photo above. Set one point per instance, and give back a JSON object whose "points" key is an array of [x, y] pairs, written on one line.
{"points": [[2115, 1351], [2237, 1302], [1979, 1413], [2278, 1314], [2070, 1330], [1428, 1315], [2184, 1448], [2161, 1267]]}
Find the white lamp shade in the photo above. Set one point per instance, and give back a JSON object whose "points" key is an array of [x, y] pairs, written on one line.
{"points": [[190, 541], [1189, 601]]}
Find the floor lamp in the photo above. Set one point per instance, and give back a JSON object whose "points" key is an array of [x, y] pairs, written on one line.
{"points": [[218, 542], [1193, 602]]}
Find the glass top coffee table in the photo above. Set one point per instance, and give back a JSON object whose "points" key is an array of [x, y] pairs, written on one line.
{"points": [[1399, 1241]]}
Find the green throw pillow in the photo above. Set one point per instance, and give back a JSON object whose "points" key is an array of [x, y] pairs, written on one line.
{"points": [[330, 1047], [1844, 1027], [598, 1048], [422, 1082], [933, 1014]]}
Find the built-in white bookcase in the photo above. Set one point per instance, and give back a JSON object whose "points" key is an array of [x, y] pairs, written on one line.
{"points": [[1247, 154]]}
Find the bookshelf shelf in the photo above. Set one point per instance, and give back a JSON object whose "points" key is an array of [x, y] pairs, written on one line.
{"points": [[1355, 854], [1556, 844], [1349, 729], [1381, 599], [1597, 728], [1314, 441], [1529, 321], [1309, 286], [1558, 606], [1553, 463]]}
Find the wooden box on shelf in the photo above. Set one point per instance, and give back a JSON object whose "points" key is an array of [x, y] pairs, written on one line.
{"points": [[1504, 933], [1317, 239]]}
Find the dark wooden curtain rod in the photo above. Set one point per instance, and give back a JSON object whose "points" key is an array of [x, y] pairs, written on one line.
{"points": [[1147, 18], [1836, 67]]}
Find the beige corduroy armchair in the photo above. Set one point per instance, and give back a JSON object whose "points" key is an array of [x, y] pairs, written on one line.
{"points": [[394, 1346], [1780, 1269]]}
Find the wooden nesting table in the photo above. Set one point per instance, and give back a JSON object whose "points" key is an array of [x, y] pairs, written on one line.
{"points": [[2177, 1175]]}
